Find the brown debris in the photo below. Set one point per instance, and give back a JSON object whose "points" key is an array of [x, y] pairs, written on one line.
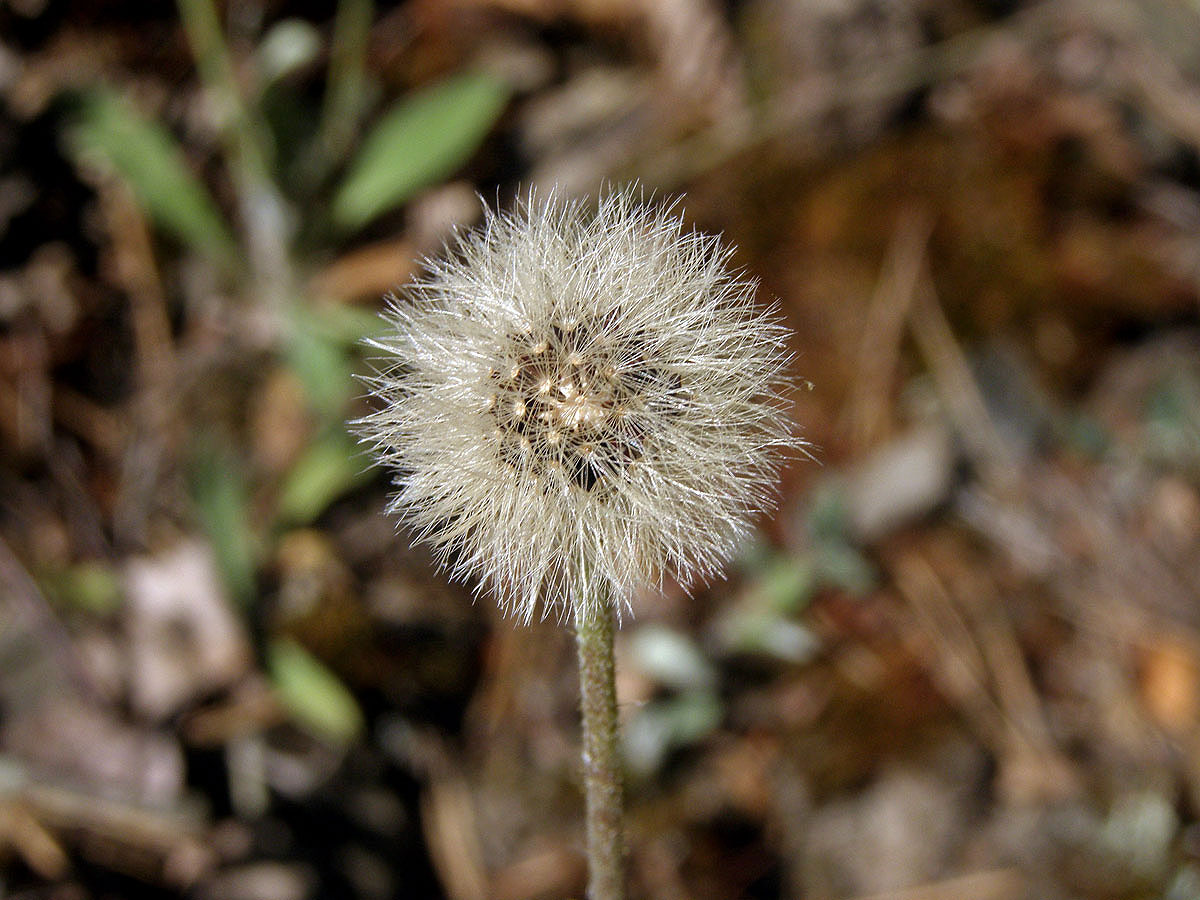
{"points": [[963, 662]]}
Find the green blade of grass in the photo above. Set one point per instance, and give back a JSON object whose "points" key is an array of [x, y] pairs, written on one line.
{"points": [[326, 470], [222, 505], [315, 697], [147, 156], [422, 139], [321, 360]]}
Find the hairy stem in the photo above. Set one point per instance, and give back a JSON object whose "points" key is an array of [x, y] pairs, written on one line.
{"points": [[601, 762]]}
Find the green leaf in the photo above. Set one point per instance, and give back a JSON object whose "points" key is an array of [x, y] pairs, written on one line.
{"points": [[329, 468], [785, 587], [146, 155], [843, 566], [423, 139], [347, 325], [92, 587], [314, 696], [765, 632], [671, 658], [673, 723], [222, 504], [321, 361], [288, 46]]}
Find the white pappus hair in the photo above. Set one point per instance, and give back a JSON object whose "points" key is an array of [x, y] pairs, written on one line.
{"points": [[577, 402]]}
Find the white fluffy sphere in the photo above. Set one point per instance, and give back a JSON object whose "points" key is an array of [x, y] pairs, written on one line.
{"points": [[577, 402]]}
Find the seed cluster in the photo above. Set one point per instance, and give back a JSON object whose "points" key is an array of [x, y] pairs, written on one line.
{"points": [[579, 401], [571, 406]]}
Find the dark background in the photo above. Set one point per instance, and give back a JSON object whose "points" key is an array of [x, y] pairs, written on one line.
{"points": [[961, 661]]}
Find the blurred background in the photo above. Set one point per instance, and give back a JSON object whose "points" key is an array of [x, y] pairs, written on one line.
{"points": [[962, 661]]}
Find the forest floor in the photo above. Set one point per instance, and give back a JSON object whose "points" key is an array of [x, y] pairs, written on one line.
{"points": [[962, 660]]}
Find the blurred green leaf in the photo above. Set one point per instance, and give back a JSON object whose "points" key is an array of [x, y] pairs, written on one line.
{"points": [[671, 658], [669, 724], [321, 362], [1171, 401], [424, 138], [836, 562], [347, 325], [826, 517], [754, 553], [760, 623], [785, 586], [843, 566], [330, 467], [219, 492], [346, 87], [92, 587], [287, 47], [314, 696], [146, 155], [1086, 435], [765, 632]]}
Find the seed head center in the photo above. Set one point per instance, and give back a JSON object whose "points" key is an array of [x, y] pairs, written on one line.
{"points": [[565, 406], [579, 409]]}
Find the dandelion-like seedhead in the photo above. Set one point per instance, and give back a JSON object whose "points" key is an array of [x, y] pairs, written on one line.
{"points": [[578, 402]]}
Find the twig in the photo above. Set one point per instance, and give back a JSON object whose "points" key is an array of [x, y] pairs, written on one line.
{"points": [[957, 664], [22, 832], [813, 97], [148, 844], [956, 385], [884, 327], [980, 663]]}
